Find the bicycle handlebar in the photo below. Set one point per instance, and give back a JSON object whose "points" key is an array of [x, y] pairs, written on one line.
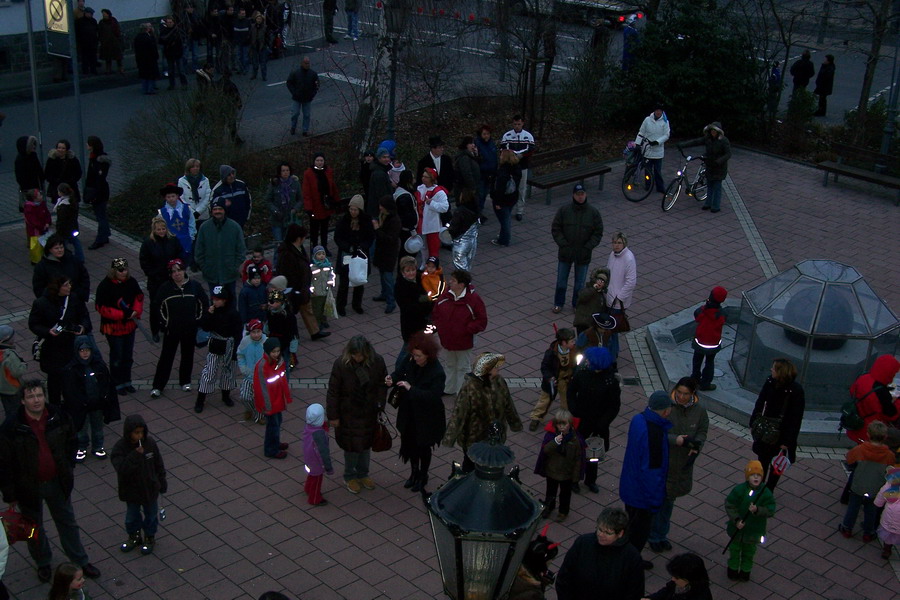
{"points": [[688, 157]]}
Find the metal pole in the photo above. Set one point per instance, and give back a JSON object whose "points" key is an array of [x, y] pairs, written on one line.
{"points": [[823, 24], [888, 136], [392, 98], [35, 101], [78, 146]]}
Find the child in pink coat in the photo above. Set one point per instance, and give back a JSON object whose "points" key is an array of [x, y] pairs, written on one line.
{"points": [[316, 454], [889, 497]]}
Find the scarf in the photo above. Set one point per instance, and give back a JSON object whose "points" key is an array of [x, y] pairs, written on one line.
{"points": [[61, 201], [321, 264], [284, 191], [322, 182], [194, 180]]}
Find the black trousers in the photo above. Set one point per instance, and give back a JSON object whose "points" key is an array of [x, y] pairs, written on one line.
{"points": [[318, 233], [186, 339], [565, 494], [640, 520]]}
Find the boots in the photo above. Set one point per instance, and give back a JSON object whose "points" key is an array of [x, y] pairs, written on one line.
{"points": [[548, 508], [413, 477], [226, 398], [886, 551], [133, 541], [147, 547], [419, 485], [201, 400]]}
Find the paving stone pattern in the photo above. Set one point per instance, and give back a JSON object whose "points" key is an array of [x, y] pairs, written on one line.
{"points": [[238, 524]]}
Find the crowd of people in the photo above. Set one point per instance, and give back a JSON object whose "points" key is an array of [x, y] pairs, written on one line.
{"points": [[246, 315]]}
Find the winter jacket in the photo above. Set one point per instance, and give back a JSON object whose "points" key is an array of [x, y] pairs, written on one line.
{"points": [[387, 241], [646, 464], [110, 34], [271, 391], [283, 209], [115, 301], [248, 354], [710, 320], [282, 325], [266, 270], [480, 402], [66, 210], [490, 158], [590, 301], [522, 143], [146, 55], [314, 195], [718, 151], [356, 394], [693, 421], [141, 476], [772, 402], [498, 193], [622, 278], [594, 396], [322, 279], [77, 400], [220, 250], [303, 84], [802, 71], [28, 168], [654, 130], [890, 518], [467, 172], [464, 216], [316, 453], [564, 461], [868, 462], [19, 450], [446, 174], [258, 40], [577, 230], [154, 258], [459, 319], [252, 302], [556, 365], [57, 350], [96, 187], [241, 32], [379, 186], [170, 40], [37, 218], [224, 323], [873, 399], [825, 80], [414, 305], [430, 212], [294, 265], [408, 213], [62, 167], [199, 205], [737, 505], [238, 194], [591, 571], [180, 223], [420, 411], [180, 308], [51, 267], [349, 240]]}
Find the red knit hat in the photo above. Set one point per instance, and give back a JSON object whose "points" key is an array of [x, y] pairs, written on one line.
{"points": [[718, 294]]}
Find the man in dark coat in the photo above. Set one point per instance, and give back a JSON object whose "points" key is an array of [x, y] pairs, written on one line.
{"points": [[577, 229], [147, 57], [29, 170], [173, 50], [303, 84], [379, 180], [293, 263], [37, 456], [436, 160], [802, 71], [87, 37], [387, 249], [824, 84]]}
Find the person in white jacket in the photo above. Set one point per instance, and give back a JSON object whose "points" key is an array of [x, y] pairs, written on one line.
{"points": [[655, 129], [432, 202], [197, 190], [622, 281]]}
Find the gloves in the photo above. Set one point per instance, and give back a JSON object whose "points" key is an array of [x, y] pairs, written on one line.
{"points": [[691, 444], [654, 143]]}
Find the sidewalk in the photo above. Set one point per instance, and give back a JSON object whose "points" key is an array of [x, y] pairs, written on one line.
{"points": [[239, 525]]}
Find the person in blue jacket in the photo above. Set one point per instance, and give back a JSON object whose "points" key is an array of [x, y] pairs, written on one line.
{"points": [[642, 485]]}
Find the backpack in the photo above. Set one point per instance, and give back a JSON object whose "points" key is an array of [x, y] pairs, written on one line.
{"points": [[851, 420]]}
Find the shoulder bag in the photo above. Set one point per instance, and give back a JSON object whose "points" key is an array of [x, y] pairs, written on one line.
{"points": [[382, 440], [622, 324], [767, 429]]}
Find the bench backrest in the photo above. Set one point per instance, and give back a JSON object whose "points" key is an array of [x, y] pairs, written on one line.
{"points": [[864, 158], [579, 151]]}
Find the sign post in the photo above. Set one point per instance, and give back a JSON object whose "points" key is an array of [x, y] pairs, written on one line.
{"points": [[56, 17]]}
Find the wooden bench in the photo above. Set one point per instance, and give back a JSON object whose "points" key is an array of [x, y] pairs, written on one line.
{"points": [[859, 163], [578, 173]]}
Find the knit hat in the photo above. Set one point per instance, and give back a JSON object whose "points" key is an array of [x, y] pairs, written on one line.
{"points": [[119, 263], [598, 358], [318, 249], [170, 188], [270, 344], [6, 335], [276, 295], [254, 324], [718, 294], [225, 171], [578, 188], [358, 202], [175, 262], [315, 415], [659, 400], [220, 291], [754, 467], [278, 283], [382, 152], [218, 202], [83, 341], [485, 362], [253, 272]]}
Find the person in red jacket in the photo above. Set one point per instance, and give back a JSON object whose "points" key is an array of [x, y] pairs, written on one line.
{"points": [[272, 394], [120, 302], [708, 338], [873, 397], [459, 314], [320, 197], [37, 222]]}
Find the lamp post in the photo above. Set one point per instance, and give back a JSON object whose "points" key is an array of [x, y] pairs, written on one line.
{"points": [[483, 522], [395, 15]]}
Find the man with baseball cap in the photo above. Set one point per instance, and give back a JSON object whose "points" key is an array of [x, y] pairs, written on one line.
{"points": [[577, 229]]}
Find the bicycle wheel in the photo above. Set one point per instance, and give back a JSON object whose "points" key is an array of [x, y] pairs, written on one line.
{"points": [[698, 188], [637, 182], [672, 193]]}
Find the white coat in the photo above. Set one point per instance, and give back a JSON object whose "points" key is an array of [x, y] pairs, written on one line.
{"points": [[654, 130], [431, 212], [203, 192]]}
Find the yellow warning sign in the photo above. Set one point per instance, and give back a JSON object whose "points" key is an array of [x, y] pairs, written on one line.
{"points": [[57, 17]]}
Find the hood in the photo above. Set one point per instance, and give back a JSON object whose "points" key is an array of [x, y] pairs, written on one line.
{"points": [[26, 144], [315, 415], [714, 125], [598, 358], [103, 158], [132, 422], [85, 341], [225, 171], [884, 369], [57, 154], [551, 428], [598, 272]]}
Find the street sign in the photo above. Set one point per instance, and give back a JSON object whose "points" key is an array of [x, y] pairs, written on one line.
{"points": [[56, 18]]}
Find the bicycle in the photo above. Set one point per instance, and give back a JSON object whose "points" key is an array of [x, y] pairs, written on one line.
{"points": [[696, 187], [637, 183]]}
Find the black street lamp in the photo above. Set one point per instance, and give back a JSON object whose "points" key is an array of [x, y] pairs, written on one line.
{"points": [[395, 15], [483, 522]]}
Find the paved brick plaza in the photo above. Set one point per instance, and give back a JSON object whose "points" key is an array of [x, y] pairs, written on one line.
{"points": [[238, 524]]}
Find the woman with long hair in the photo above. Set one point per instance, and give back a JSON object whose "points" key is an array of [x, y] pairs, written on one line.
{"points": [[283, 198], [320, 197], [96, 187], [353, 233], [158, 249], [120, 302], [780, 398], [505, 194]]}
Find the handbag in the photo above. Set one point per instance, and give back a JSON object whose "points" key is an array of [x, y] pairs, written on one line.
{"points": [[394, 396], [217, 346], [18, 527], [382, 440], [765, 429], [358, 269], [622, 324]]}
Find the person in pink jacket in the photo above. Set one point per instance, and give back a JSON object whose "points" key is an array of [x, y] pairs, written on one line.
{"points": [[622, 281], [889, 497], [37, 223]]}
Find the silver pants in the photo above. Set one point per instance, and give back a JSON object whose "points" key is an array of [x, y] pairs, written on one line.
{"points": [[464, 248]]}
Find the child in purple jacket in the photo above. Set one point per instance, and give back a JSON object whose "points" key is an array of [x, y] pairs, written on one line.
{"points": [[316, 454]]}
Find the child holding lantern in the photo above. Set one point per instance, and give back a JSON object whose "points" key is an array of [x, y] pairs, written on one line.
{"points": [[748, 505]]}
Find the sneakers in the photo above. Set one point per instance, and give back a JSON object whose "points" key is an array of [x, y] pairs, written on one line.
{"points": [[186, 387], [155, 393], [147, 546], [353, 486], [133, 541], [80, 455], [367, 483], [845, 532], [100, 453], [533, 426]]}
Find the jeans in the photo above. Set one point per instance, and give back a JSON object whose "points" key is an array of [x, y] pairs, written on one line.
{"points": [[148, 86], [272, 441], [103, 230], [121, 358], [387, 288], [174, 66], [60, 506], [562, 282], [485, 184], [464, 248], [713, 195], [356, 465], [504, 218], [662, 521], [868, 507], [243, 58], [401, 357], [613, 345], [185, 338], [297, 107], [93, 425], [77, 250], [565, 495], [192, 50], [705, 377], [134, 522], [353, 24], [656, 163], [260, 61]]}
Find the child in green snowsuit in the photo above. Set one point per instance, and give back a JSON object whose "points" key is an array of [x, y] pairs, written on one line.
{"points": [[748, 506]]}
